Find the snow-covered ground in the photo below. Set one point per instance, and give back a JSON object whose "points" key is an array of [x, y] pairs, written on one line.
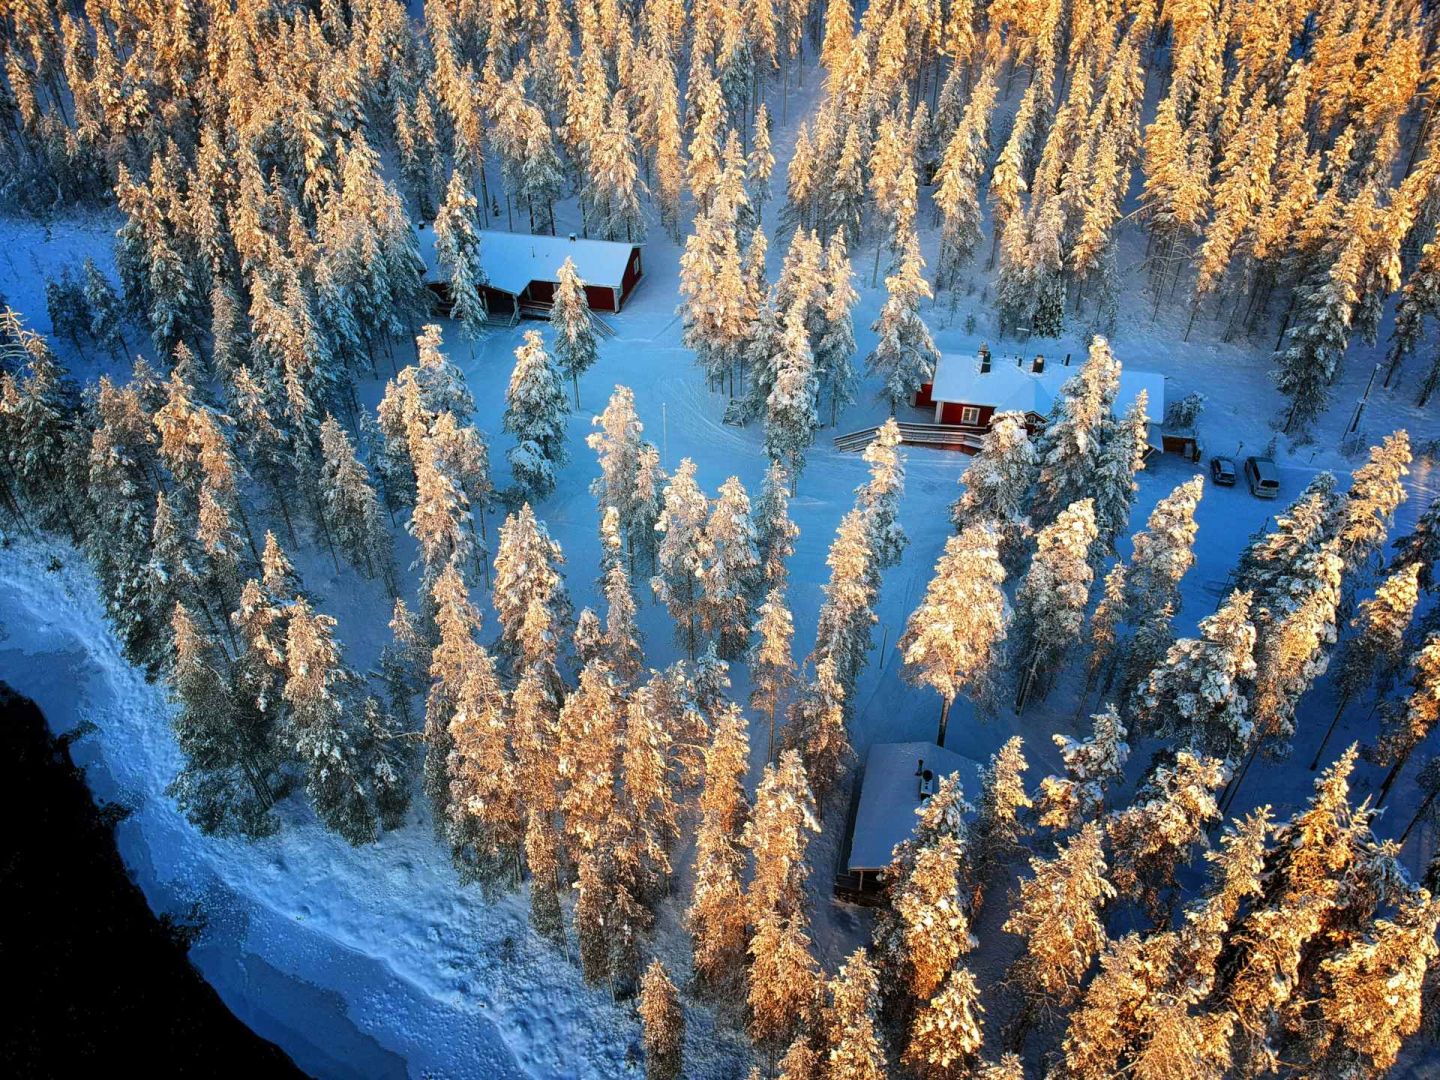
{"points": [[375, 961]]}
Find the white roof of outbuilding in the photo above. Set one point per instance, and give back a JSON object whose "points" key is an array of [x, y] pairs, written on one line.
{"points": [[890, 795], [513, 260], [1008, 385]]}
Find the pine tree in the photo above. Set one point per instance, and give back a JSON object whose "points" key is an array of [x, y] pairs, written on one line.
{"points": [[225, 785], [1151, 837], [1069, 448], [816, 727], [457, 247], [1091, 766], [852, 1023], [1420, 547], [454, 655], [775, 534], [731, 574], [529, 595], [946, 1034], [834, 346], [1198, 691], [999, 825], [1057, 912], [1408, 725], [1376, 490], [1374, 654], [315, 725], [588, 749], [997, 483], [790, 409], [880, 496], [954, 640], [772, 667], [535, 410], [846, 615], [352, 510], [621, 640], [1374, 988], [1164, 550], [681, 555], [1121, 457], [904, 355], [663, 1020], [782, 971], [485, 822], [1050, 603], [575, 344], [617, 445], [924, 928], [716, 917]]}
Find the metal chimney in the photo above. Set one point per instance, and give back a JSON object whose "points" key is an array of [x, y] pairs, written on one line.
{"points": [[1038, 365]]}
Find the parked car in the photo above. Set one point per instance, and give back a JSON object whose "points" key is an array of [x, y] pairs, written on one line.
{"points": [[1222, 471], [1263, 477]]}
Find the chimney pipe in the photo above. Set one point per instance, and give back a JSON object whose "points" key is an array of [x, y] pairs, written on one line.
{"points": [[984, 360], [1038, 365], [1067, 359], [572, 238]]}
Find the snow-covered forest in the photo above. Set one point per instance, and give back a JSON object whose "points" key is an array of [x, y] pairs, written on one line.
{"points": [[497, 682]]}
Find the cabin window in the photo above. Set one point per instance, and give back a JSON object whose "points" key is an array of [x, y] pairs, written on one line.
{"points": [[969, 414]]}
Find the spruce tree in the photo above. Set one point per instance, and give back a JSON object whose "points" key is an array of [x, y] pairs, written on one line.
{"points": [[904, 355], [775, 534], [535, 410], [731, 574], [1091, 766], [575, 345]]}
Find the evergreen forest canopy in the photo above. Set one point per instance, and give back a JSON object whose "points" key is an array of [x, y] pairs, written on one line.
{"points": [[269, 162]]}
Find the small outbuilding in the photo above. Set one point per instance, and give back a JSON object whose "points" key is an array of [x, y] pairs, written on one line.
{"points": [[968, 390], [896, 781], [521, 270]]}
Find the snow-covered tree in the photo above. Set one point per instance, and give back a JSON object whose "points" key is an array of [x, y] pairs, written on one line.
{"points": [[999, 824], [782, 971], [904, 355], [1069, 448], [1120, 458], [846, 615], [947, 1032], [1057, 912], [663, 1020], [1050, 603], [351, 508], [731, 572], [1091, 766], [1376, 490], [1197, 693], [816, 726], [772, 666], [925, 927], [485, 822], [315, 725], [528, 580], [716, 917], [1164, 550], [681, 555], [775, 533], [997, 483], [575, 345], [225, 784], [1409, 724], [953, 641], [835, 345], [1151, 837], [457, 248], [790, 409], [1421, 546], [880, 496], [621, 639], [535, 408], [852, 1023]]}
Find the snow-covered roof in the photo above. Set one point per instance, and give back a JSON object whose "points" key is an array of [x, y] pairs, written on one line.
{"points": [[890, 795], [513, 260], [1008, 385]]}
